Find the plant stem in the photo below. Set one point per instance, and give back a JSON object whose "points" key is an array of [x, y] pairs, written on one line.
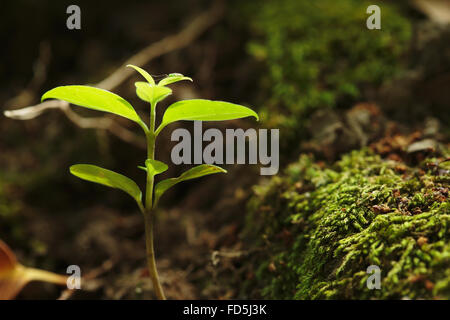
{"points": [[150, 177], [148, 212], [148, 217]]}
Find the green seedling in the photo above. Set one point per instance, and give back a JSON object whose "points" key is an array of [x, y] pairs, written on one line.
{"points": [[153, 93]]}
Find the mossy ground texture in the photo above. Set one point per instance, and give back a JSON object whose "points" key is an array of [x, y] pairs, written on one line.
{"points": [[320, 54], [321, 227]]}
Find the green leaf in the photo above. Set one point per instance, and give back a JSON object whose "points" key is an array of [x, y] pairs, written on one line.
{"points": [[204, 110], [108, 178], [94, 98], [196, 172], [155, 167], [150, 93], [144, 73], [173, 77]]}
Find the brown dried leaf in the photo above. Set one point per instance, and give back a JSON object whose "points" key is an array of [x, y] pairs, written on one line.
{"points": [[14, 276]]}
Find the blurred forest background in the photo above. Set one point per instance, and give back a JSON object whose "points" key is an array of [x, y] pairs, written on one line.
{"points": [[311, 69]]}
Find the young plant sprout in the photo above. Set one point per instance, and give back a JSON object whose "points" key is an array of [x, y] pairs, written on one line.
{"points": [[149, 91]]}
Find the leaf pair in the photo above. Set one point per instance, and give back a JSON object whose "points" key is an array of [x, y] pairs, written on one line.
{"points": [[150, 91], [171, 78], [195, 109], [14, 276], [115, 180]]}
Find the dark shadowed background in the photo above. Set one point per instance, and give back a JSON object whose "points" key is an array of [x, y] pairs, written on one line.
{"points": [[303, 67]]}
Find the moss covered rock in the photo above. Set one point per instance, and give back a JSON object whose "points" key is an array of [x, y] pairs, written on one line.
{"points": [[322, 227]]}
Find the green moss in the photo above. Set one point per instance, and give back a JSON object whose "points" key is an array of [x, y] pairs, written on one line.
{"points": [[320, 53], [322, 227]]}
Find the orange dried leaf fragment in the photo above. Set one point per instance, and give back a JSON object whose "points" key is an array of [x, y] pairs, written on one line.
{"points": [[14, 276]]}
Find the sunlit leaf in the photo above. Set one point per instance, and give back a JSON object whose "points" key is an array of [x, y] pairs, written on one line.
{"points": [[196, 172], [155, 167], [205, 110], [14, 276], [152, 94], [94, 98], [107, 178], [144, 73], [173, 77]]}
